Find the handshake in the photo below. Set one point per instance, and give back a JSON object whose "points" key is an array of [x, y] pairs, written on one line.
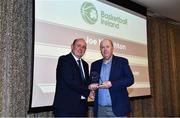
{"points": [[94, 86]]}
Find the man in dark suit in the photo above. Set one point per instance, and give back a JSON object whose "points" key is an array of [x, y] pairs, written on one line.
{"points": [[72, 78], [111, 97]]}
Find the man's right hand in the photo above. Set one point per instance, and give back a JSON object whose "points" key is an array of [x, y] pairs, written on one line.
{"points": [[93, 86]]}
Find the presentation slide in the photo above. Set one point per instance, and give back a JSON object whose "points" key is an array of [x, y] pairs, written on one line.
{"points": [[59, 22]]}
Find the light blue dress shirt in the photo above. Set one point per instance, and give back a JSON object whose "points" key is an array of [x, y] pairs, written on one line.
{"points": [[104, 98]]}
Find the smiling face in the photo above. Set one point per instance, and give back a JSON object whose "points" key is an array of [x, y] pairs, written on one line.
{"points": [[106, 48], [78, 47]]}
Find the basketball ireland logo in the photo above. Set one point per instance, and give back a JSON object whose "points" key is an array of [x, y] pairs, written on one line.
{"points": [[89, 13]]}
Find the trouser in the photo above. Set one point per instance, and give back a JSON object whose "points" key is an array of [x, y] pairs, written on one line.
{"points": [[105, 111]]}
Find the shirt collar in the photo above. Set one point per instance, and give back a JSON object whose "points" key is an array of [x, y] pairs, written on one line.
{"points": [[108, 61], [75, 57]]}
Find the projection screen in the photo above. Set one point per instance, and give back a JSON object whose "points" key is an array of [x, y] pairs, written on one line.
{"points": [[59, 22]]}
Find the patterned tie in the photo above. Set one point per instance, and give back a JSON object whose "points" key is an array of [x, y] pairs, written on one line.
{"points": [[81, 71]]}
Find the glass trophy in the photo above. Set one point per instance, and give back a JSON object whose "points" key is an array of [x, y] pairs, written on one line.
{"points": [[95, 78]]}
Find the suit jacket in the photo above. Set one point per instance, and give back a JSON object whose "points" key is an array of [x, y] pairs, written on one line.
{"points": [[70, 88], [121, 77]]}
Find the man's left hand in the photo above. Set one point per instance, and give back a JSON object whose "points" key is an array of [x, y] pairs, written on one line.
{"points": [[106, 84]]}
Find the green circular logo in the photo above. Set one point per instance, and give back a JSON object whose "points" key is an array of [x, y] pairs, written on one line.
{"points": [[89, 13]]}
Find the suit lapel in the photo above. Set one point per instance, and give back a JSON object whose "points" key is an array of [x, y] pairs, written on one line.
{"points": [[99, 66], [73, 61], [112, 67]]}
